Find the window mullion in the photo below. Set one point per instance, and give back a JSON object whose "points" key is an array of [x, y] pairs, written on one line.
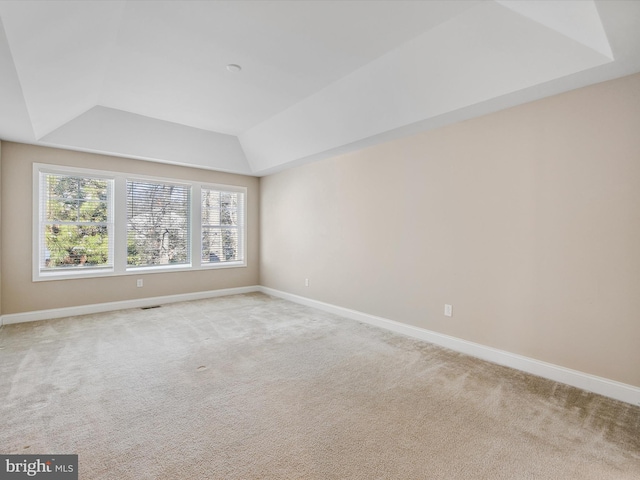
{"points": [[120, 225], [196, 226]]}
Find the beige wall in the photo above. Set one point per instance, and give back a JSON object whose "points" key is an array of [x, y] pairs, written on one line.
{"points": [[0, 227], [20, 294], [527, 221]]}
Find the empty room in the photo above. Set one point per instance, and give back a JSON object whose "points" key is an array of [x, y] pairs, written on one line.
{"points": [[320, 239]]}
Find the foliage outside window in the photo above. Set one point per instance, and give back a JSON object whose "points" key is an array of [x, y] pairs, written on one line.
{"points": [[75, 222], [157, 223], [222, 223]]}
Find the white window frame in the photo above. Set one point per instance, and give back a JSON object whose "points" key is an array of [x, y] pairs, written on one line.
{"points": [[190, 219], [118, 244], [242, 229], [38, 223]]}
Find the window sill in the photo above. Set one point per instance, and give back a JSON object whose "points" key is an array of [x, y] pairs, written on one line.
{"points": [[110, 272]]}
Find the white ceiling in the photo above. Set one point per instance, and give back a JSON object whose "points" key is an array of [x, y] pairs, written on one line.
{"points": [[149, 80]]}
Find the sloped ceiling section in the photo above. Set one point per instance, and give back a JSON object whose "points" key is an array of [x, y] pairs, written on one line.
{"points": [[14, 118], [148, 79], [148, 138], [60, 52]]}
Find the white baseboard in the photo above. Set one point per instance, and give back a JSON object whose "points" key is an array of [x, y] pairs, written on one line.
{"points": [[111, 306], [603, 386]]}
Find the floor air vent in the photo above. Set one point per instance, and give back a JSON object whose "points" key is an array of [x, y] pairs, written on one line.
{"points": [[148, 308]]}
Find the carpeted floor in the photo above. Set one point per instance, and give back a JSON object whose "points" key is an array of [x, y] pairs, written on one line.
{"points": [[249, 387]]}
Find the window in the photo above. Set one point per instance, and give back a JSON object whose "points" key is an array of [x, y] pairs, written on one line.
{"points": [[157, 223], [94, 223], [222, 223], [76, 226]]}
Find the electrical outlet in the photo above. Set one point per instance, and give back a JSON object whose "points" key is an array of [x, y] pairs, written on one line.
{"points": [[448, 310], [306, 282], [139, 283]]}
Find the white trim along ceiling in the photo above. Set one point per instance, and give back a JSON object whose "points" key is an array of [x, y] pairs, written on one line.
{"points": [[149, 80]]}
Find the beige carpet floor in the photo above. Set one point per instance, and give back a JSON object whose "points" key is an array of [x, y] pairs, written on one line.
{"points": [[251, 387]]}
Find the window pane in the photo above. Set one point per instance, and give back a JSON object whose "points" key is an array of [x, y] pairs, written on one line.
{"points": [[157, 224], [228, 208], [76, 246], [220, 245], [63, 186], [75, 227], [222, 226], [76, 199], [92, 211]]}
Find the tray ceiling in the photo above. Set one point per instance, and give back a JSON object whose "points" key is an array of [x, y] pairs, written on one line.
{"points": [[149, 79]]}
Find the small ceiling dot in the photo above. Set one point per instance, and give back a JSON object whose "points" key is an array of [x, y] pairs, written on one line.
{"points": [[232, 67]]}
